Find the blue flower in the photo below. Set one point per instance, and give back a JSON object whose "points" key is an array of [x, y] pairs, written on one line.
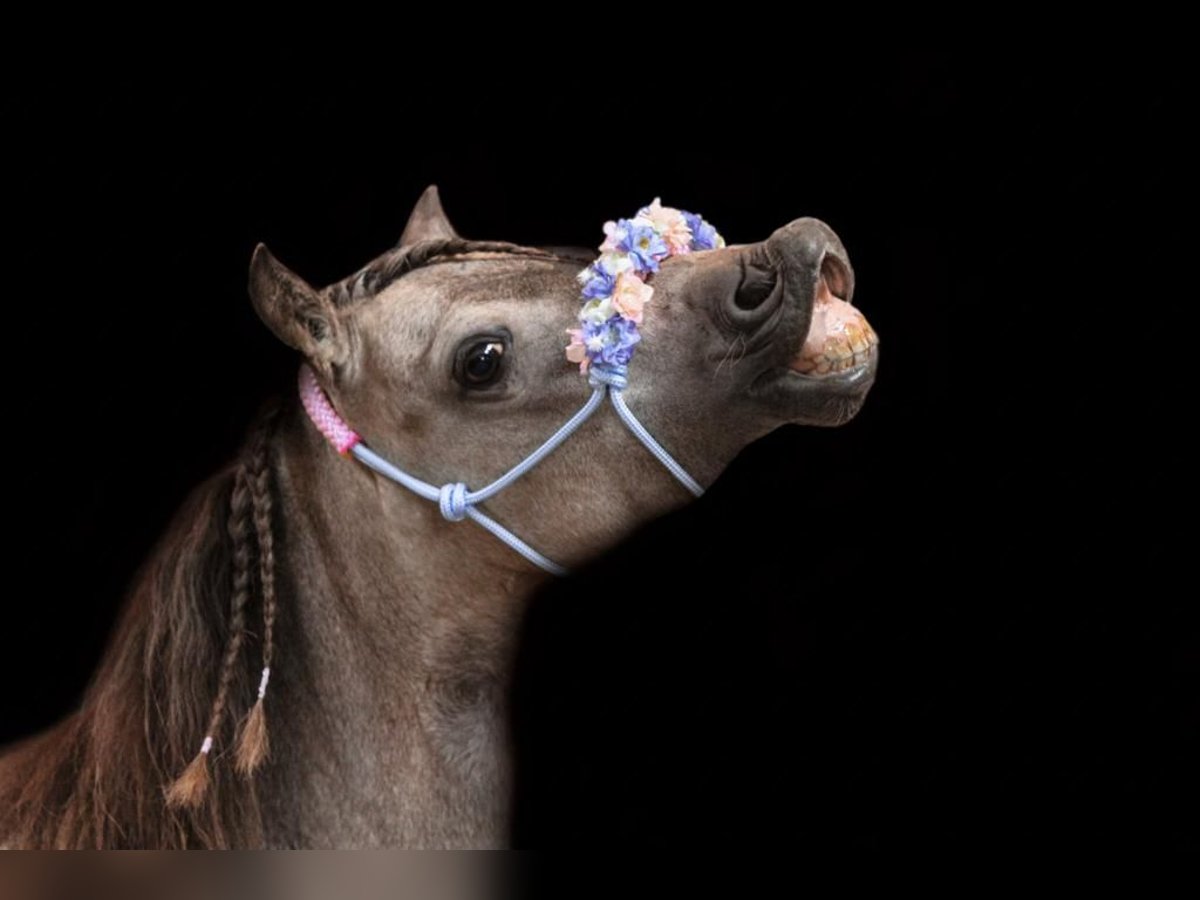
{"points": [[644, 245], [611, 342], [598, 281], [623, 338], [704, 236], [596, 336]]}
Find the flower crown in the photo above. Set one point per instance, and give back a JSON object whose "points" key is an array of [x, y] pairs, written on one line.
{"points": [[615, 292]]}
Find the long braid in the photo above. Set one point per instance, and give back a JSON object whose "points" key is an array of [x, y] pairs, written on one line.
{"points": [[251, 484], [191, 787], [253, 746]]}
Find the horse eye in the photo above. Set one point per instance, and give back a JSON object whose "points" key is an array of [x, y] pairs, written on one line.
{"points": [[481, 364]]}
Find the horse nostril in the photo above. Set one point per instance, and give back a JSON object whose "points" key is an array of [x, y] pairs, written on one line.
{"points": [[757, 285], [837, 277]]}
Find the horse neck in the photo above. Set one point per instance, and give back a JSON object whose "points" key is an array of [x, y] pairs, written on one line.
{"points": [[396, 630], [382, 566]]}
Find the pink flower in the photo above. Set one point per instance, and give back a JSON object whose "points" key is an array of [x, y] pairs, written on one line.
{"points": [[631, 296], [611, 238], [576, 351], [671, 224]]}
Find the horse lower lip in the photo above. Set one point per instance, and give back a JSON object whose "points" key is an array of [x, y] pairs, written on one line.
{"points": [[849, 368], [829, 366]]}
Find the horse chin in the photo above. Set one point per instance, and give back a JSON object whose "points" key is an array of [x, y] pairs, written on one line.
{"points": [[816, 398]]}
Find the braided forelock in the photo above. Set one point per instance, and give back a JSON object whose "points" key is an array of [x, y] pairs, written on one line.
{"points": [[381, 272]]}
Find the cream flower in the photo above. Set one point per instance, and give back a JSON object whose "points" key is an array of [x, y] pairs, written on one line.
{"points": [[598, 311]]}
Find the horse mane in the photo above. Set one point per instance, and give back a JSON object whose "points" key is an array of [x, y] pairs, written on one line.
{"points": [[98, 779], [382, 271]]}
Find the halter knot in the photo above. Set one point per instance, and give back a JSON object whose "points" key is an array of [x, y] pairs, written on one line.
{"points": [[613, 376], [452, 501]]}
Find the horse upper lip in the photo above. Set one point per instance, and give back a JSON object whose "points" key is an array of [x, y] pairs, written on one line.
{"points": [[839, 336]]}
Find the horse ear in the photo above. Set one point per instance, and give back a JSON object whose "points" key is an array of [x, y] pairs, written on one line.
{"points": [[297, 313], [428, 220]]}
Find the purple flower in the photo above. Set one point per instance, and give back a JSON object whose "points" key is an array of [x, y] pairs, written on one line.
{"points": [[644, 245], [623, 338], [596, 335], [598, 282], [704, 236], [611, 342]]}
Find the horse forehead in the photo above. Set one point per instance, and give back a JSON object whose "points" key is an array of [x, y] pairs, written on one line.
{"points": [[456, 283]]}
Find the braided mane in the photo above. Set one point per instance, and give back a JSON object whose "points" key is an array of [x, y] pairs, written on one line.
{"points": [[170, 675], [382, 271]]}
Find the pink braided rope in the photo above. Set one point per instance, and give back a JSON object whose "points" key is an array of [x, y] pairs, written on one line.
{"points": [[322, 413]]}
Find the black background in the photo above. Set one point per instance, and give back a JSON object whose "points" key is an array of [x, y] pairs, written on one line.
{"points": [[951, 619]]}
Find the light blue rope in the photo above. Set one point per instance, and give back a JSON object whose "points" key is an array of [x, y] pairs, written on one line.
{"points": [[457, 503], [373, 460], [640, 432], [516, 543], [568, 428]]}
